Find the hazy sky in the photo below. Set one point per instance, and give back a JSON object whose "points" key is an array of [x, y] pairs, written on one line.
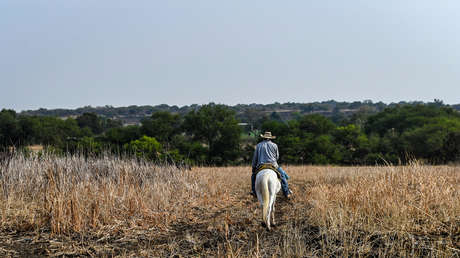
{"points": [[72, 53]]}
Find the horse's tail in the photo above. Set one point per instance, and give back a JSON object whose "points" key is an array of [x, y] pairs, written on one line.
{"points": [[266, 201]]}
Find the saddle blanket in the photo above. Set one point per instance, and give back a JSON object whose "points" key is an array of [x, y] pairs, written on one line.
{"points": [[268, 166]]}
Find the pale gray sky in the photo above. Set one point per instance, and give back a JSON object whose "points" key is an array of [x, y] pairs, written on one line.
{"points": [[67, 54]]}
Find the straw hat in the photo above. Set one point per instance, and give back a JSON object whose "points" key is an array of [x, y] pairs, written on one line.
{"points": [[267, 135]]}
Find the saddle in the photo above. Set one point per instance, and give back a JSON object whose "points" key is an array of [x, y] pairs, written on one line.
{"points": [[268, 166]]}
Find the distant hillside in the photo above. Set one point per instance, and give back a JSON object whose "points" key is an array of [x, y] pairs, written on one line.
{"points": [[245, 112]]}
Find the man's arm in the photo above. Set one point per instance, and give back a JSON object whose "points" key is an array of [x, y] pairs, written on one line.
{"points": [[254, 160], [277, 152]]}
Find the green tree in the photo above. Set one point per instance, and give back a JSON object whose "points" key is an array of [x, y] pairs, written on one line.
{"points": [[415, 131], [277, 128], [29, 129], [92, 121], [353, 144], [120, 136], [451, 148], [193, 152], [10, 130], [56, 132], [316, 124], [89, 146], [402, 118], [217, 128], [146, 147], [430, 141], [111, 123], [162, 125]]}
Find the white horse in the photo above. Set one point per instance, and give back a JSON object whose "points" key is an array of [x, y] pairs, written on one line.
{"points": [[267, 186]]}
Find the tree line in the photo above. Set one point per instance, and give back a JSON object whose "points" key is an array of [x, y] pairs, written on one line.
{"points": [[213, 135], [244, 112]]}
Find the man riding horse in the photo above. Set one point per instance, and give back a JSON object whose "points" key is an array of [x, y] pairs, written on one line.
{"points": [[265, 156]]}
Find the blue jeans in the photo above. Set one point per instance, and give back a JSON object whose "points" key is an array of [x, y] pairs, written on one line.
{"points": [[284, 183]]}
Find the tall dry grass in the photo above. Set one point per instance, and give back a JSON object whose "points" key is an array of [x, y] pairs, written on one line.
{"points": [[385, 211], [139, 209], [75, 194]]}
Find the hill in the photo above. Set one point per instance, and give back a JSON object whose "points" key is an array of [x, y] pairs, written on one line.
{"points": [[249, 113]]}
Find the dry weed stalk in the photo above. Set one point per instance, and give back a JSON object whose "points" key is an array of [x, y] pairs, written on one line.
{"points": [[163, 211]]}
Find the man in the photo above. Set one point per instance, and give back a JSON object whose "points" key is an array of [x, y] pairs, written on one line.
{"points": [[266, 152]]}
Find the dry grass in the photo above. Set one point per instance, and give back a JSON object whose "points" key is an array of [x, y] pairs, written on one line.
{"points": [[110, 207]]}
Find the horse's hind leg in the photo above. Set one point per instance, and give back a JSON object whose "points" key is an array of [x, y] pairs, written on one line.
{"points": [[273, 214], [269, 224]]}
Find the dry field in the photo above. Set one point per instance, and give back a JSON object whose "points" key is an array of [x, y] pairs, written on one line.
{"points": [[55, 206]]}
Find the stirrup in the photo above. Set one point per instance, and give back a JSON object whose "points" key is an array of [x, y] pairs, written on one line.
{"points": [[289, 194]]}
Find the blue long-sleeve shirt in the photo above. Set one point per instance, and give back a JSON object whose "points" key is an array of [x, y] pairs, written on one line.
{"points": [[265, 152]]}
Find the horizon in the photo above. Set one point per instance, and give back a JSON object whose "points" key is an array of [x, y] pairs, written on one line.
{"points": [[282, 103]]}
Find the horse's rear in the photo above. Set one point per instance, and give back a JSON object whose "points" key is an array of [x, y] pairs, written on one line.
{"points": [[267, 186]]}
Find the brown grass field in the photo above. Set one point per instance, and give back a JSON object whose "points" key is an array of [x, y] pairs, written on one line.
{"points": [[72, 206]]}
